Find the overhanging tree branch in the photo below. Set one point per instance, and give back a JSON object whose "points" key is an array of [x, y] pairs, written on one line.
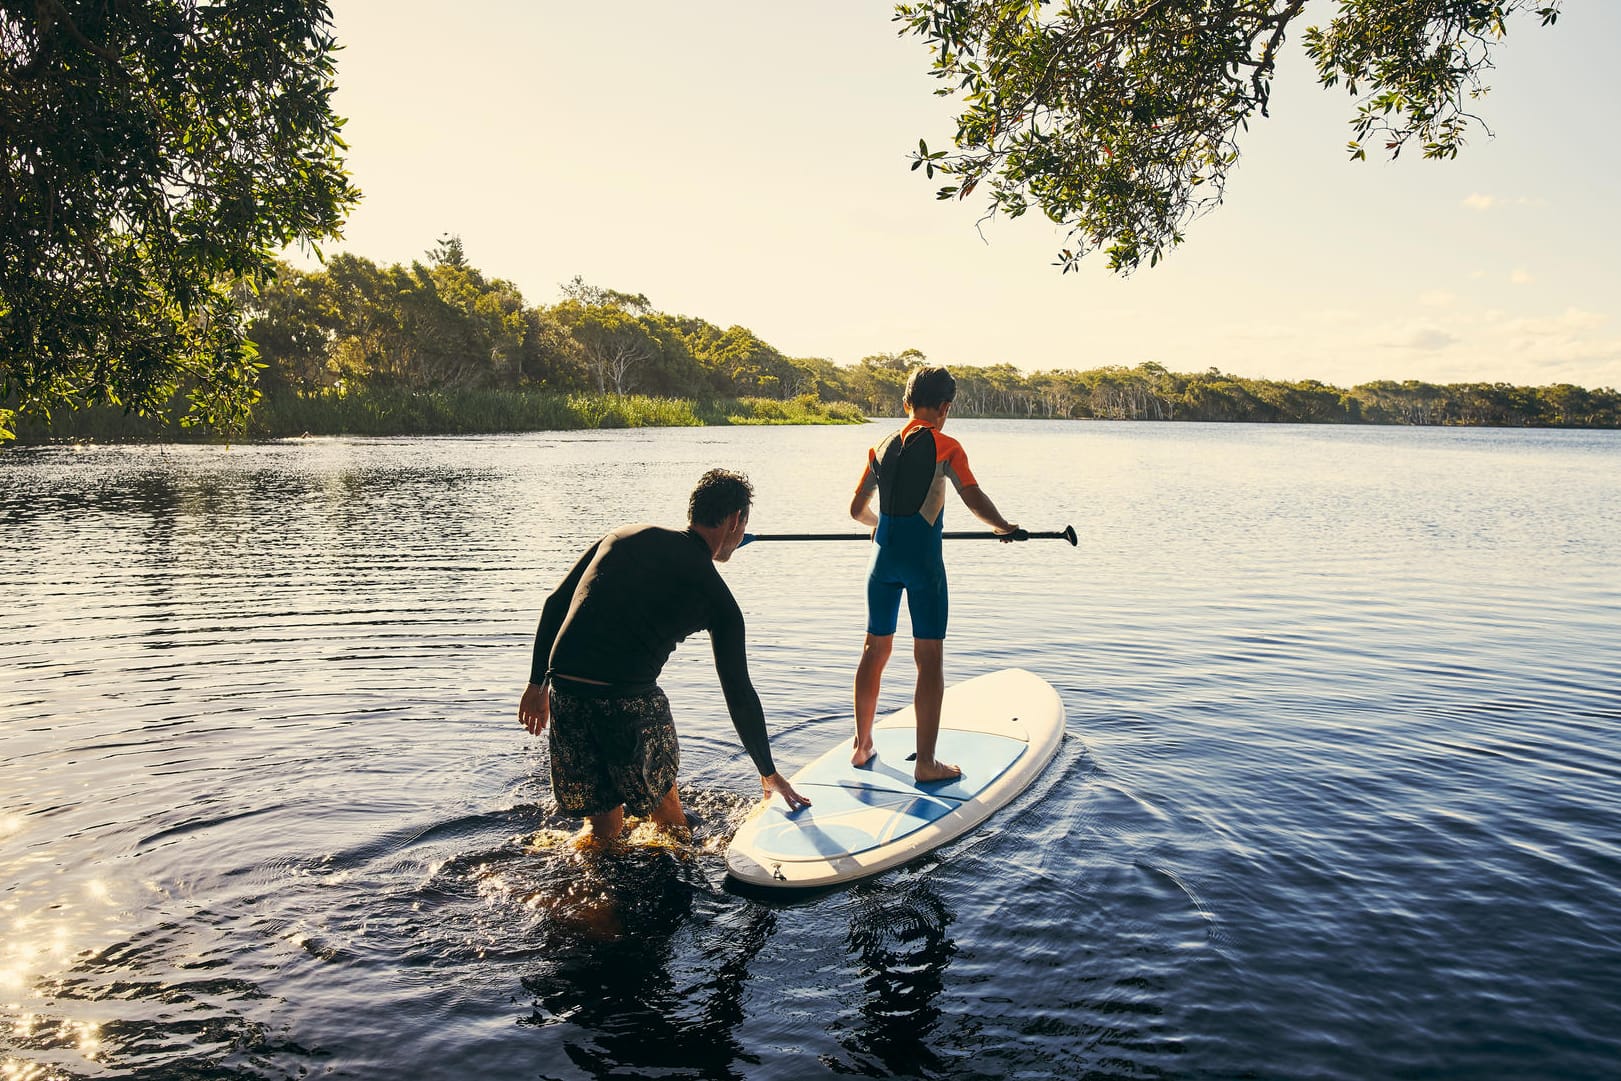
{"points": [[1120, 121]]}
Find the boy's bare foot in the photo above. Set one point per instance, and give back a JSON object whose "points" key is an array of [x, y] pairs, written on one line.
{"points": [[863, 754], [935, 771]]}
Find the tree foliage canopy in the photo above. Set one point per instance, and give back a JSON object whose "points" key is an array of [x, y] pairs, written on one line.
{"points": [[155, 152], [1120, 119]]}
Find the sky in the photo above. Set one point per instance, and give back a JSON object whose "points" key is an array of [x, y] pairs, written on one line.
{"points": [[746, 163]]}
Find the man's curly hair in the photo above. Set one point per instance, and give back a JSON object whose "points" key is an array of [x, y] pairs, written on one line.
{"points": [[720, 492]]}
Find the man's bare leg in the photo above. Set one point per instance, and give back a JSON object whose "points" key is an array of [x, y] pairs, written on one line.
{"points": [[602, 828], [670, 816], [931, 689], [869, 676]]}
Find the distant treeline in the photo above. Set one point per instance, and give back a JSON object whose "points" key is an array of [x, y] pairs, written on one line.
{"points": [[442, 325], [438, 347], [1150, 392]]}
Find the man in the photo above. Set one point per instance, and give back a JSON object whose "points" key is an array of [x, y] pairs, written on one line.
{"points": [[603, 638], [908, 470]]}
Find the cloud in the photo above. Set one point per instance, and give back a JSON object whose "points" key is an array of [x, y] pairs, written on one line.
{"points": [[1570, 323], [1457, 344], [1568, 347], [1520, 276], [1437, 298], [1479, 202], [1426, 339]]}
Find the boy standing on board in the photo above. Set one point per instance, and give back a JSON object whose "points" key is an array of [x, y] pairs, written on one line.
{"points": [[604, 635], [909, 470]]}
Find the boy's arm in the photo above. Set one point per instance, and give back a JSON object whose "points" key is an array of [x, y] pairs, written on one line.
{"points": [[861, 502], [980, 504], [861, 509]]}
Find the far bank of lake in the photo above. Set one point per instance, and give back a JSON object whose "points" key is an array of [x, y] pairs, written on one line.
{"points": [[373, 411]]}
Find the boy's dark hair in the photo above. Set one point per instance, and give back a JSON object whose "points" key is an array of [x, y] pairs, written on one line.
{"points": [[720, 492], [929, 388]]}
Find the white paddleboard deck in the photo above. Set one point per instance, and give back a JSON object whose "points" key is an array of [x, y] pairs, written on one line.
{"points": [[1002, 729]]}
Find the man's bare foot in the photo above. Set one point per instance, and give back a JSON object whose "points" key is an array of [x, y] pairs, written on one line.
{"points": [[863, 754], [935, 771]]}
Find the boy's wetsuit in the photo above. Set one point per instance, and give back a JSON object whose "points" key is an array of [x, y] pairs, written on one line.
{"points": [[631, 598], [909, 469]]}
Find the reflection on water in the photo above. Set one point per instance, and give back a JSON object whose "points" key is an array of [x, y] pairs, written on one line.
{"points": [[899, 939], [629, 1001], [1338, 799]]}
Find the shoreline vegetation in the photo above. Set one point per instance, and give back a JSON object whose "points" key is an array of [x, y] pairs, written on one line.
{"points": [[1143, 393], [386, 412], [439, 348]]}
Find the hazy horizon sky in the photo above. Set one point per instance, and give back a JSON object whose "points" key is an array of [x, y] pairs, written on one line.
{"points": [[746, 163]]}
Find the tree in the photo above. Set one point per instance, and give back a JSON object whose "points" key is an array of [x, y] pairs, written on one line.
{"points": [[878, 382], [577, 288], [156, 154], [746, 366], [448, 251], [291, 325], [612, 341], [1120, 120]]}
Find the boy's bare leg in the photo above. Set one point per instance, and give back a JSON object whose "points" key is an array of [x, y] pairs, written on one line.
{"points": [[869, 676], [931, 689]]}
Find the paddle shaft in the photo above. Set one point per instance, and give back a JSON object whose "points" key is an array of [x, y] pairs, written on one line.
{"points": [[1067, 533]]}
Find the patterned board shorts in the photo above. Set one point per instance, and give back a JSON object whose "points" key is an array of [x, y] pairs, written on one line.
{"points": [[608, 751]]}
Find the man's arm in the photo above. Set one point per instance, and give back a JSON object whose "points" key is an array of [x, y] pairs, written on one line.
{"points": [[726, 636], [534, 709]]}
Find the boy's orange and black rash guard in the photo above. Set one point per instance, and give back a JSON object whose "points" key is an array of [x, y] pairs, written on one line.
{"points": [[909, 470]]}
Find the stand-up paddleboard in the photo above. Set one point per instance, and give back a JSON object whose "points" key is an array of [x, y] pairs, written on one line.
{"points": [[1002, 729]]}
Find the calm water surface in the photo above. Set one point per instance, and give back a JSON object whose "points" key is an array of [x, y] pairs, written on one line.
{"points": [[1339, 797]]}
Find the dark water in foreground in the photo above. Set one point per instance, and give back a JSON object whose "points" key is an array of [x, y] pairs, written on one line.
{"points": [[1339, 798]]}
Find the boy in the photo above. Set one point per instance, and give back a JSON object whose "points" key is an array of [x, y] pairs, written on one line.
{"points": [[908, 470]]}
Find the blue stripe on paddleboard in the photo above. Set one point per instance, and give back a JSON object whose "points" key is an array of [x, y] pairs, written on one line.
{"points": [[854, 810]]}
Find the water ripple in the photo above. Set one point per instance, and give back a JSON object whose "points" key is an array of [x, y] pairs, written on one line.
{"points": [[1338, 799]]}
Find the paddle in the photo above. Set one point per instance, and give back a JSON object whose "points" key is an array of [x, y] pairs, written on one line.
{"points": [[1067, 533]]}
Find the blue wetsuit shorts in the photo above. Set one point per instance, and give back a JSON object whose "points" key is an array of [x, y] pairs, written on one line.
{"points": [[918, 570]]}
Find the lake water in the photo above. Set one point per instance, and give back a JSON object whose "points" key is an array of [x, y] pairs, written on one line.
{"points": [[1339, 797]]}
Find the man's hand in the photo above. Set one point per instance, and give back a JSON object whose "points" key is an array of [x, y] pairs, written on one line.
{"points": [[1010, 532], [536, 707], [777, 783]]}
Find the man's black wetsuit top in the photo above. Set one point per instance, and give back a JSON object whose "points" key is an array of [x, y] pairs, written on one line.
{"points": [[621, 611]]}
